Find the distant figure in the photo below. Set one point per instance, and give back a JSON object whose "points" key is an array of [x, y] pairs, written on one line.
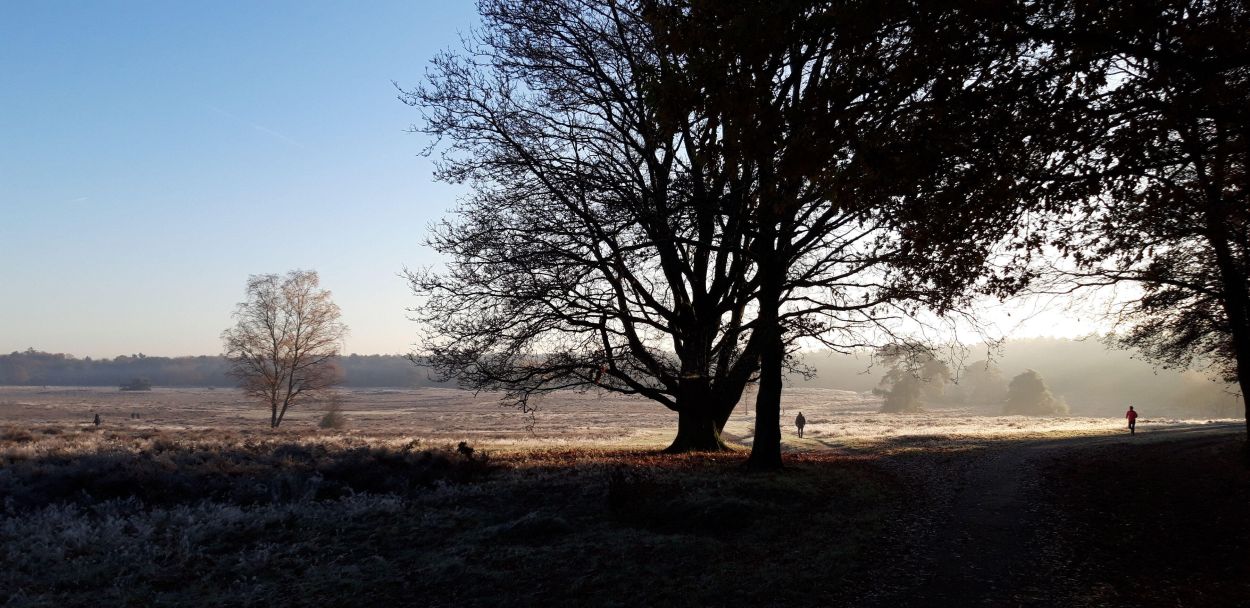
{"points": [[800, 421], [1131, 414], [97, 420]]}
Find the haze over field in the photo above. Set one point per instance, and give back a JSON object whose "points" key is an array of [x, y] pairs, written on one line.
{"points": [[1093, 379]]}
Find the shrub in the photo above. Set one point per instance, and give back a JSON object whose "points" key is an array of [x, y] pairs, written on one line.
{"points": [[1029, 395], [332, 419], [137, 384]]}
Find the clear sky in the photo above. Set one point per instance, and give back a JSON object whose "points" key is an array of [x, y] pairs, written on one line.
{"points": [[154, 154]]}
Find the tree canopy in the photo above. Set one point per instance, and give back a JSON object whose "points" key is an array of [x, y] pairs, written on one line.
{"points": [[1160, 148]]}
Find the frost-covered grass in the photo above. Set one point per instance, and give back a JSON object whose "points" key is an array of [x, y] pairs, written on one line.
{"points": [[591, 419], [166, 517], [196, 502]]}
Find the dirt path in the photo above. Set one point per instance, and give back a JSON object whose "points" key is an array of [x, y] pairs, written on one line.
{"points": [[987, 537]]}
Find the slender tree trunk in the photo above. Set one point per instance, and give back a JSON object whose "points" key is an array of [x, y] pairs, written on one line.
{"points": [[1236, 301], [286, 403], [273, 414], [1237, 309], [766, 449], [697, 429], [1243, 380]]}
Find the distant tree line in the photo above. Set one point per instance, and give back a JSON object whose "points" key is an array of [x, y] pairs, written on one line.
{"points": [[36, 368], [1093, 379]]}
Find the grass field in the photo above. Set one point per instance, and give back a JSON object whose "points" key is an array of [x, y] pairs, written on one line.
{"points": [[195, 502], [591, 419]]}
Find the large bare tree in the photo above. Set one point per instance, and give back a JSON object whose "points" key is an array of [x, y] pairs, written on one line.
{"points": [[668, 195], [594, 250], [879, 154], [285, 340]]}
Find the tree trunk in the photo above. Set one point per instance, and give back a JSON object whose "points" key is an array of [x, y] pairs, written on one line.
{"points": [[1236, 302], [273, 415], [1237, 308], [696, 432], [697, 428], [766, 449], [1243, 380]]}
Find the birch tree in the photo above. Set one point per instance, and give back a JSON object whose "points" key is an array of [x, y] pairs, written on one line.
{"points": [[285, 340]]}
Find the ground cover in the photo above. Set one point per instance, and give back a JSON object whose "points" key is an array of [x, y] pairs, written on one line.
{"points": [[199, 517], [183, 497]]}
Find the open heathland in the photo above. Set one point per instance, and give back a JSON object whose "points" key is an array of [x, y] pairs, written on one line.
{"points": [[185, 498]]}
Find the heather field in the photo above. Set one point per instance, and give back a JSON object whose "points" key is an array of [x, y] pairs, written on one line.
{"points": [[834, 417], [185, 498]]}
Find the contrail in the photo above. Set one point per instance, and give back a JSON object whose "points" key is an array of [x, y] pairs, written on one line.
{"points": [[261, 128]]}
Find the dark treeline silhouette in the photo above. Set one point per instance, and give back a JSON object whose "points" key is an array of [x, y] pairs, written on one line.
{"points": [[36, 368]]}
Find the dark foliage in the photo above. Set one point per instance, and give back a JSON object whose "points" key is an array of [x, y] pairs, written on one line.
{"points": [[883, 150], [1160, 148], [137, 384], [670, 194]]}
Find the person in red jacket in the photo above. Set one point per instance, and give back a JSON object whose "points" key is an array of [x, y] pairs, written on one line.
{"points": [[1131, 414]]}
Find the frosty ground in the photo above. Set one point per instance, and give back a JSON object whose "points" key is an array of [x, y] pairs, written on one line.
{"points": [[834, 418], [182, 497]]}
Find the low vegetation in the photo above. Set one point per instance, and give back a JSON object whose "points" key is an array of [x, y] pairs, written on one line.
{"points": [[245, 518], [136, 384]]}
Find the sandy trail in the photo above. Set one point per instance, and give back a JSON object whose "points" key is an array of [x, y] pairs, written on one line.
{"points": [[989, 538]]}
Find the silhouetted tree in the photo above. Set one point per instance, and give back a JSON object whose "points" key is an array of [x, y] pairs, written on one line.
{"points": [[914, 374], [598, 249], [1027, 394], [1164, 147], [874, 145], [285, 339], [983, 383]]}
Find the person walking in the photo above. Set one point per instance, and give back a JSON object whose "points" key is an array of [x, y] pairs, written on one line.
{"points": [[799, 421], [1131, 414]]}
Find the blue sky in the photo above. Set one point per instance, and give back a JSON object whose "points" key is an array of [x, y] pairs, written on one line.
{"points": [[157, 153]]}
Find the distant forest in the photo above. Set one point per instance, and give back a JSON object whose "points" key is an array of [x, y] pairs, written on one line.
{"points": [[1094, 380], [36, 368]]}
